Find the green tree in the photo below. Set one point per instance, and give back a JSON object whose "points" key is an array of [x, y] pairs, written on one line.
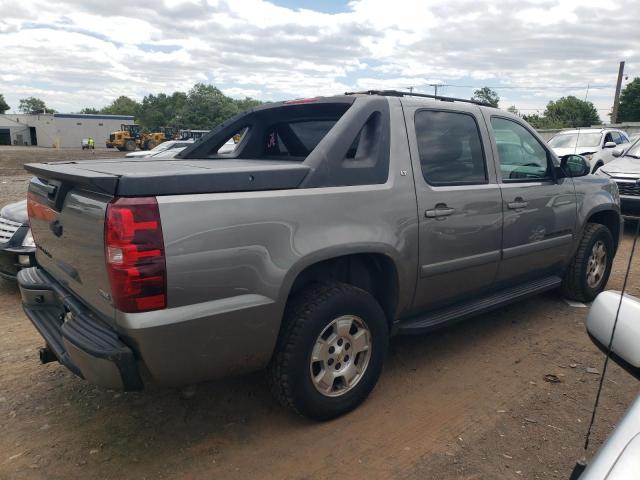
{"points": [[572, 112], [122, 106], [203, 107], [34, 105], [4, 106], [247, 103], [629, 109], [486, 95], [90, 111], [542, 122], [206, 106], [514, 110], [162, 110]]}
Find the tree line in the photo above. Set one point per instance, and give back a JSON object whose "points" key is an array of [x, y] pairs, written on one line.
{"points": [[205, 106], [202, 107]]}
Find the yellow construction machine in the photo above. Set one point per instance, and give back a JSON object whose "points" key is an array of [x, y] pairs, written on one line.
{"points": [[126, 139], [130, 137]]}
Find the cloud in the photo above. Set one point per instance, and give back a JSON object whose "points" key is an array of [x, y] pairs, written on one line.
{"points": [[85, 53]]}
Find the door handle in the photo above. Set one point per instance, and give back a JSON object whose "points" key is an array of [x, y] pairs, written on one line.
{"points": [[517, 204], [441, 210]]}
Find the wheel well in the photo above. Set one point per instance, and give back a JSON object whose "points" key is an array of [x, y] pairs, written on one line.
{"points": [[372, 272], [609, 219]]}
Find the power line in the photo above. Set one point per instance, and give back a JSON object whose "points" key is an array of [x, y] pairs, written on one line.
{"points": [[517, 87]]}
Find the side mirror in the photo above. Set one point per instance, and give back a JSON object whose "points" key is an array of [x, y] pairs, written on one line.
{"points": [[626, 340], [610, 145], [574, 165], [617, 152]]}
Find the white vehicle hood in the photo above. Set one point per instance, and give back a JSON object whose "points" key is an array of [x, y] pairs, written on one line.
{"points": [[139, 153], [578, 150], [626, 165]]}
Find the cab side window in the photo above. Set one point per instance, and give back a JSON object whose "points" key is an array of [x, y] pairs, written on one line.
{"points": [[450, 148], [521, 156]]}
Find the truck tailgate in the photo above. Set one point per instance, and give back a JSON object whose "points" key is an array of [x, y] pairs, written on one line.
{"points": [[67, 221]]}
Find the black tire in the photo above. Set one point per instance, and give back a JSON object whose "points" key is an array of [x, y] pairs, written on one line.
{"points": [[307, 315], [129, 145], [150, 145], [575, 285]]}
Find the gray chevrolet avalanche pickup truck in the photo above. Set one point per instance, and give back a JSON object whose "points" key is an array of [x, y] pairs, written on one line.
{"points": [[333, 224]]}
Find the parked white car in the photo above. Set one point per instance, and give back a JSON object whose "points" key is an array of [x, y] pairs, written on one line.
{"points": [[588, 142], [164, 146]]}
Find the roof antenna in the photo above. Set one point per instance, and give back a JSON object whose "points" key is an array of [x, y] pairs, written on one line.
{"points": [[581, 464]]}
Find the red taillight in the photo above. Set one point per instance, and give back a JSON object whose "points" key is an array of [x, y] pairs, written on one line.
{"points": [[134, 251]]}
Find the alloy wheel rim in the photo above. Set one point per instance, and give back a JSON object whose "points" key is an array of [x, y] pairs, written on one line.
{"points": [[596, 264], [340, 356]]}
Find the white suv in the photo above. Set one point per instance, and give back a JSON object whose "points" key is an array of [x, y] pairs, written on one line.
{"points": [[588, 142]]}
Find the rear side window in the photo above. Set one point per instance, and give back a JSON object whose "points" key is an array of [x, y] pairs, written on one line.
{"points": [[450, 148]]}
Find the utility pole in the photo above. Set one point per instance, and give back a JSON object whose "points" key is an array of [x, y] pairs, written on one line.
{"points": [[616, 98], [435, 87]]}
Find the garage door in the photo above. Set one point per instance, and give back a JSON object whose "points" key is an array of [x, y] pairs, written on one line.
{"points": [[5, 136]]}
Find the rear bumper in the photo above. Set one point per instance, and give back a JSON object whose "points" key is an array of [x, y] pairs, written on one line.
{"points": [[175, 346], [80, 341]]}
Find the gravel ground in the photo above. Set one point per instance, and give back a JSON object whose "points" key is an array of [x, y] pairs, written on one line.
{"points": [[467, 402]]}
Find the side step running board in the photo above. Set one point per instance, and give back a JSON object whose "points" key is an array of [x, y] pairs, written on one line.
{"points": [[438, 318]]}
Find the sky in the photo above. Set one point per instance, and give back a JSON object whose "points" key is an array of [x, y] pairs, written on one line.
{"points": [[76, 54]]}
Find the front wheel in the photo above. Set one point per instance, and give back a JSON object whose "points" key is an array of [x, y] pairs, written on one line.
{"points": [[330, 351], [589, 270]]}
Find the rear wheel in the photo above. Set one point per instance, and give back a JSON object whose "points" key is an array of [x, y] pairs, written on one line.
{"points": [[151, 144], [130, 145], [589, 270], [330, 351]]}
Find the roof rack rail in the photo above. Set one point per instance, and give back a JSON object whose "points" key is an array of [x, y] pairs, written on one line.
{"points": [[398, 93]]}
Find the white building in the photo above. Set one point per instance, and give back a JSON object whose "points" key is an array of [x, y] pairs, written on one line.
{"points": [[59, 130]]}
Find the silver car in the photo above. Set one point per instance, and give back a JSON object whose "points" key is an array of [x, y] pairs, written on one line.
{"points": [[588, 142], [625, 171]]}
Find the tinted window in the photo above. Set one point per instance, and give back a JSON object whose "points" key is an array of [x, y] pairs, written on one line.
{"points": [[310, 133], [450, 148], [520, 154], [295, 139]]}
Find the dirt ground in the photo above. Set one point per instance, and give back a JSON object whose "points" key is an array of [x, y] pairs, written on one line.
{"points": [[468, 402]]}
